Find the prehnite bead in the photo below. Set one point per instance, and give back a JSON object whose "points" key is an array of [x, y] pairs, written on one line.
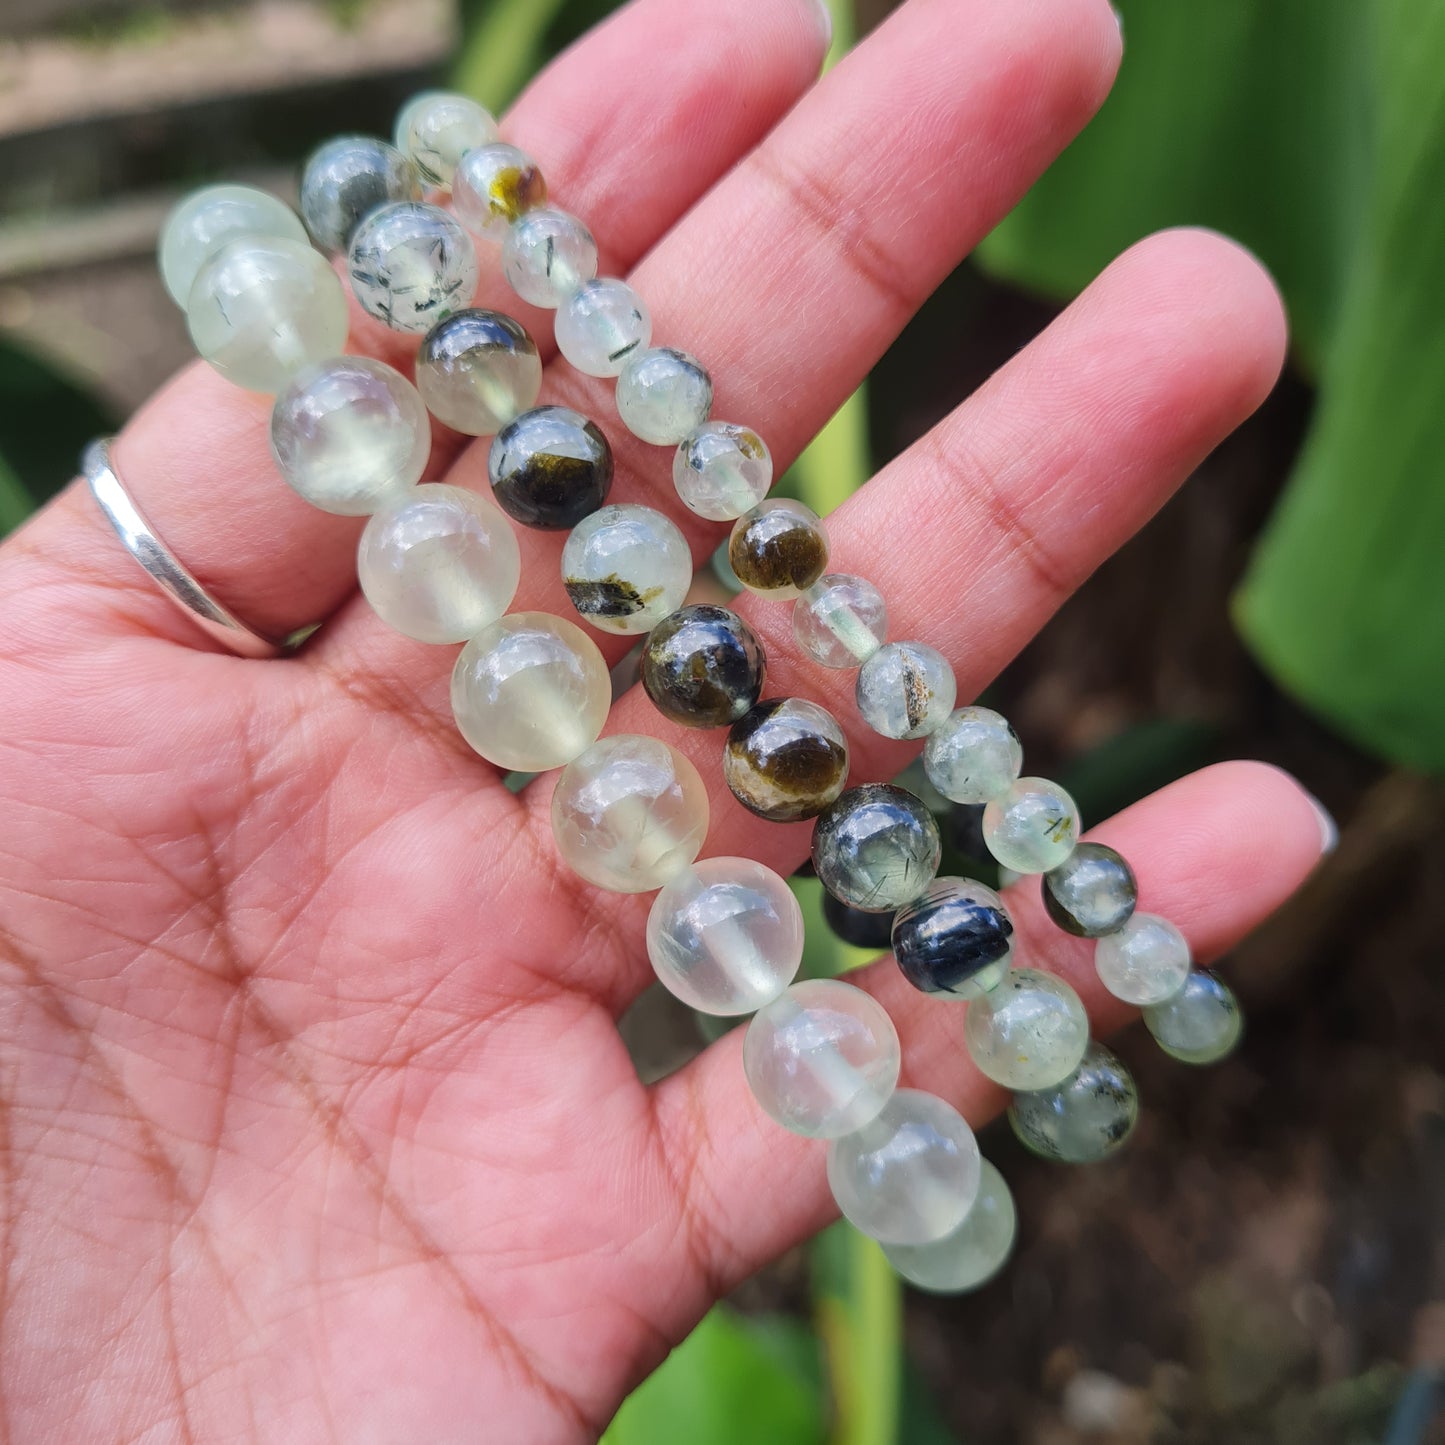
{"points": [[263, 307], [725, 936], [1032, 827], [786, 759], [629, 814], [345, 180], [779, 549], [720, 469], [436, 129], [823, 1059], [973, 756], [663, 394], [547, 255], [412, 265], [479, 370], [1145, 962], [1028, 1033], [1200, 1024], [703, 667], [1092, 892], [841, 620], [876, 847], [439, 564], [905, 689], [495, 185], [550, 468], [853, 925], [910, 1175], [207, 220], [350, 435], [956, 940], [1083, 1119], [601, 324], [974, 1253], [531, 692], [626, 567]]}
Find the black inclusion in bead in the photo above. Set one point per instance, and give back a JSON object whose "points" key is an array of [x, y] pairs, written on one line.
{"points": [[1092, 892], [853, 925], [550, 467], [950, 935], [703, 667]]}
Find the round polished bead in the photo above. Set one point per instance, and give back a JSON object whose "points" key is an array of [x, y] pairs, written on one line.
{"points": [[974, 1253], [439, 564], [663, 394], [1033, 827], [973, 756], [412, 265], [346, 179], [905, 690], [262, 308], [601, 324], [1028, 1033], [956, 940], [725, 936], [350, 435], [1145, 962], [207, 220], [548, 254], [1200, 1024], [437, 128], [550, 468], [786, 759], [479, 370], [1092, 892], [823, 1059], [1085, 1118], [910, 1175], [703, 667], [495, 185], [779, 549], [876, 847], [721, 470], [841, 620], [626, 567], [853, 925], [629, 814], [531, 692]]}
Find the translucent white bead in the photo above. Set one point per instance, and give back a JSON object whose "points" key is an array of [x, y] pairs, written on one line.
{"points": [[823, 1059], [440, 564], [495, 185], [531, 692], [626, 567], [262, 308], [547, 255], [207, 219], [601, 324], [350, 435], [345, 180], [1032, 827], [973, 756], [412, 265], [973, 1253], [910, 1175], [1085, 1118], [477, 371], [629, 814], [905, 690], [726, 935], [663, 394], [841, 620], [436, 129], [722, 470], [1145, 962], [1200, 1024], [1028, 1033]]}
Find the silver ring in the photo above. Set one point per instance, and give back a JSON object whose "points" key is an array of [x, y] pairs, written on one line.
{"points": [[162, 565]]}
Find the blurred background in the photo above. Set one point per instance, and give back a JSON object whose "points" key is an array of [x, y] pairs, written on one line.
{"points": [[1265, 1262]]}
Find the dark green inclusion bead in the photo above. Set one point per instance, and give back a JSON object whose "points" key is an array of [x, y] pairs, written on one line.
{"points": [[877, 847], [550, 467], [1092, 892], [703, 666], [786, 759], [956, 939]]}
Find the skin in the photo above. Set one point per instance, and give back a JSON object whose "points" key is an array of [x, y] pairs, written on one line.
{"points": [[289, 1148]]}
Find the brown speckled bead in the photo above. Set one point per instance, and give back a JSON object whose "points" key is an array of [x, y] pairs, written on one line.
{"points": [[779, 549], [787, 759]]}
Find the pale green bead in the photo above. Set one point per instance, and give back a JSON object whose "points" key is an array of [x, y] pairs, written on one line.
{"points": [[207, 219], [841, 620], [974, 756], [626, 568], [1085, 1118], [974, 1253], [722, 470], [1032, 827], [663, 394], [437, 128], [548, 255], [1200, 1024], [345, 180], [600, 325], [412, 265], [1144, 962], [1028, 1033], [905, 690]]}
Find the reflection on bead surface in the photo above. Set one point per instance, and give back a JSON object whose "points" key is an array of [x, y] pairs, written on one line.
{"points": [[725, 936], [550, 467], [440, 564], [479, 370], [206, 220], [956, 940], [548, 255], [1032, 827], [1028, 1033], [905, 690], [910, 1175], [823, 1059], [1145, 962], [601, 324], [1092, 892], [495, 185], [779, 549], [629, 814], [973, 1253], [1085, 1118], [662, 394], [876, 847], [973, 756], [436, 129], [262, 308], [853, 925], [411, 265], [841, 620], [345, 180], [1200, 1024], [626, 567], [531, 692], [721, 470], [787, 759], [703, 667]]}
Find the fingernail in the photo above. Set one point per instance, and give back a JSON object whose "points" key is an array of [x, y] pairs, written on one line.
{"points": [[825, 21], [1118, 19], [1329, 829]]}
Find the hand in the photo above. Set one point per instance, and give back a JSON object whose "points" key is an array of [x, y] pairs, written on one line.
{"points": [[317, 1125]]}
